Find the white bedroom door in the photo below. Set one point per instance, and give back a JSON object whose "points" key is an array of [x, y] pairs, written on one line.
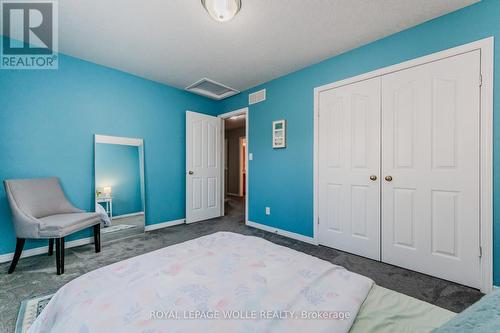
{"points": [[349, 168], [203, 169], [430, 163]]}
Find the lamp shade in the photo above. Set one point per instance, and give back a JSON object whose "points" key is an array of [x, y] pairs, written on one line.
{"points": [[107, 190], [222, 10]]}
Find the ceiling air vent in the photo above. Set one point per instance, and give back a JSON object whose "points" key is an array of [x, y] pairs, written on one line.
{"points": [[256, 97], [211, 89]]}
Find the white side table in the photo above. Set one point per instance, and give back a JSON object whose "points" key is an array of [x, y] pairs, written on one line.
{"points": [[109, 204]]}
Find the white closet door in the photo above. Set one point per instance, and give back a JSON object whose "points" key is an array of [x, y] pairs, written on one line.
{"points": [[430, 148], [203, 174], [349, 154]]}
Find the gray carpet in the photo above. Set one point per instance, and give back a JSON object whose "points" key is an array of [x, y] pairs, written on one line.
{"points": [[137, 221], [36, 276]]}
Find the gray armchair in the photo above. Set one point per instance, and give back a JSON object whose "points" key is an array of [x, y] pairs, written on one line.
{"points": [[40, 210]]}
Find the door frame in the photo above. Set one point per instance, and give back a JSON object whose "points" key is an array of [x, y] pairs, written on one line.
{"points": [[224, 116], [241, 141], [486, 47]]}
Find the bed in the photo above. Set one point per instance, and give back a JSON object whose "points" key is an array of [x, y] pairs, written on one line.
{"points": [[387, 311], [227, 282]]}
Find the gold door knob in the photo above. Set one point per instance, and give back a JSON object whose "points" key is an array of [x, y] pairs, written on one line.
{"points": [[388, 178], [373, 177]]}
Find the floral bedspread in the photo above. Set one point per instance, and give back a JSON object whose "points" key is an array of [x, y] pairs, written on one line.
{"points": [[223, 282]]}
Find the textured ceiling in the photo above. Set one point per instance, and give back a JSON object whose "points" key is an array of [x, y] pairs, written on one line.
{"points": [[176, 42]]}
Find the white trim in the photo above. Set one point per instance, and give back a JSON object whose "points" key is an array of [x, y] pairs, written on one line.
{"points": [[117, 140], [162, 225], [225, 160], [486, 181], [486, 211], [234, 113], [284, 233], [44, 249], [241, 140], [127, 215], [316, 164], [225, 116]]}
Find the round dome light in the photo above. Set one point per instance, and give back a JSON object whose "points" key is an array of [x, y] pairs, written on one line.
{"points": [[222, 10]]}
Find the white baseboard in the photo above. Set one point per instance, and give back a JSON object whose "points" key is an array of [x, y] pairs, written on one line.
{"points": [[164, 224], [44, 249], [281, 232], [84, 241], [127, 215]]}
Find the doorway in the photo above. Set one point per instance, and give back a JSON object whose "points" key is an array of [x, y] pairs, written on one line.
{"points": [[210, 189], [235, 147]]}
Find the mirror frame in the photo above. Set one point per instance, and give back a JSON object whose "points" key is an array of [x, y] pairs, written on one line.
{"points": [[124, 141]]}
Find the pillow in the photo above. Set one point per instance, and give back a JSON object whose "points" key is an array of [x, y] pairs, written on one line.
{"points": [[483, 316]]}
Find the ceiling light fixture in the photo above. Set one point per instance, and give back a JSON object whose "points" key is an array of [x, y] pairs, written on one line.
{"points": [[222, 10]]}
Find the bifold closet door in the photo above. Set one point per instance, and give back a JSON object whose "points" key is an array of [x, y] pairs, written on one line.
{"points": [[349, 168], [430, 168]]}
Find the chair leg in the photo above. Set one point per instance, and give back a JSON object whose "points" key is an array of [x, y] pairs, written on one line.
{"points": [[19, 249], [51, 246], [97, 238], [60, 255]]}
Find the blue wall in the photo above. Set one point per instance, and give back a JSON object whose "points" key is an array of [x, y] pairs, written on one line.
{"points": [[48, 119], [118, 166], [291, 97]]}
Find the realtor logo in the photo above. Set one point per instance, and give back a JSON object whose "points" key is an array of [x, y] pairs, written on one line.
{"points": [[29, 30]]}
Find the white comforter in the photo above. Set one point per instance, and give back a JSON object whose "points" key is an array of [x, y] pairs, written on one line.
{"points": [[223, 282]]}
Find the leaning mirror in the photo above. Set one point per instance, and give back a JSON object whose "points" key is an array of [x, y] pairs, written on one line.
{"points": [[119, 186]]}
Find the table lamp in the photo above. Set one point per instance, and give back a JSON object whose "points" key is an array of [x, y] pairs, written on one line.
{"points": [[107, 191]]}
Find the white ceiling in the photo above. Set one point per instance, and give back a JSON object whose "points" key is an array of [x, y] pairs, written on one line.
{"points": [[177, 43]]}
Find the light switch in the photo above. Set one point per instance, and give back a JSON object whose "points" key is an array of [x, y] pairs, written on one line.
{"points": [[250, 156]]}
